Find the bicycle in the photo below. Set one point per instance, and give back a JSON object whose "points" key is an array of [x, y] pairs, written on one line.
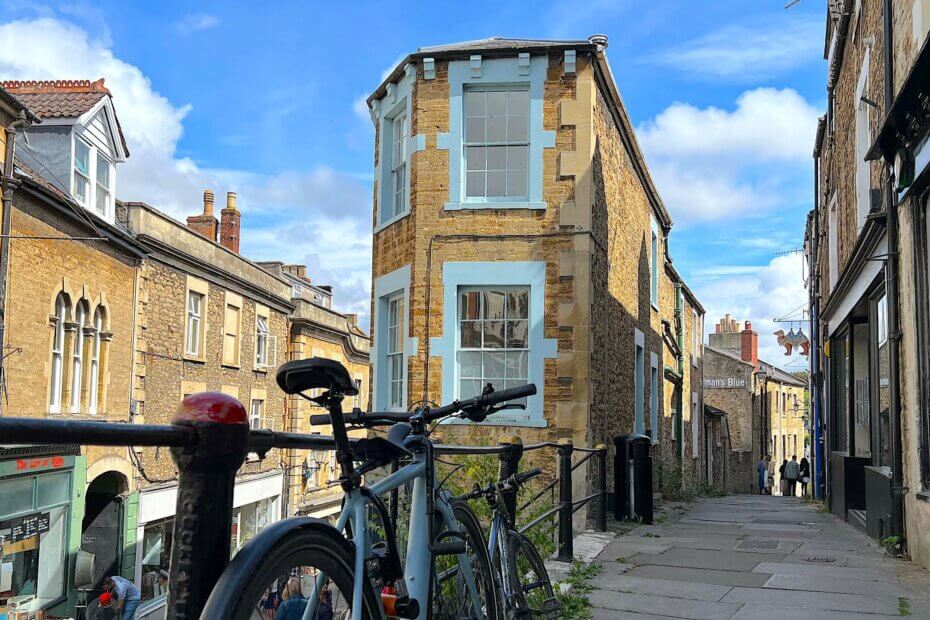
{"points": [[522, 579], [328, 574]]}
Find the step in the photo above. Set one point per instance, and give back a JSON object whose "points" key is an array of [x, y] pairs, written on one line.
{"points": [[856, 518]]}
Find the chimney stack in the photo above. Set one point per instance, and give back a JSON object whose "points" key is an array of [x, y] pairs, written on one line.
{"points": [[204, 224], [750, 345], [229, 224]]}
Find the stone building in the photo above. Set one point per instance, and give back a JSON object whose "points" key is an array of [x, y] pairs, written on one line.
{"points": [[867, 247], [68, 270], [518, 237], [318, 331], [765, 407]]}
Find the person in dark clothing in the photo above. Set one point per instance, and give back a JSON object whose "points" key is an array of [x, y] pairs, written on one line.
{"points": [[782, 481], [805, 475]]}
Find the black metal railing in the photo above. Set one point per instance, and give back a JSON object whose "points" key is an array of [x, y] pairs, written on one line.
{"points": [[209, 449]]}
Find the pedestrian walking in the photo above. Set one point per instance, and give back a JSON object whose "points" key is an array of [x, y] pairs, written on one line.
{"points": [[782, 483], [127, 595], [763, 469], [294, 603], [792, 473], [805, 472], [770, 483]]}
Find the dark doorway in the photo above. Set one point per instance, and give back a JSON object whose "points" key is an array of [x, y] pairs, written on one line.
{"points": [[101, 530]]}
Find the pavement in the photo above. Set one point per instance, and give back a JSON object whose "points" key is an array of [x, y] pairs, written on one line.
{"points": [[746, 557]]}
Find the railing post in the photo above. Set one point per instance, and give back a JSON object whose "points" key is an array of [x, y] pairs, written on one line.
{"points": [[509, 465], [566, 544], [601, 524], [203, 516]]}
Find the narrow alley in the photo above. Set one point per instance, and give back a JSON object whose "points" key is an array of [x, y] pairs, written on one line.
{"points": [[754, 557]]}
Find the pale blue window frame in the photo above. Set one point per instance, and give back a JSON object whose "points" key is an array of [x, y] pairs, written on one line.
{"points": [[526, 274], [496, 73], [654, 396], [639, 375], [391, 286]]}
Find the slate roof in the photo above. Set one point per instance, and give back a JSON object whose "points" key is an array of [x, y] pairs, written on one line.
{"points": [[57, 98], [501, 43]]}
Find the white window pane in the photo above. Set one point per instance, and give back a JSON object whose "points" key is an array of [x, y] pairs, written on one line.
{"points": [[80, 188], [516, 129], [518, 102], [470, 364], [497, 158], [517, 304], [476, 157], [397, 398], [469, 388], [475, 103], [517, 334], [497, 129], [517, 364], [103, 199], [493, 369], [103, 171], [474, 184], [497, 103], [474, 129], [516, 183], [497, 184], [493, 334], [494, 304], [82, 157], [516, 157], [470, 335]]}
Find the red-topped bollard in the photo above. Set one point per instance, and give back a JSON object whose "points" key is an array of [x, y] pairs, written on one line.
{"points": [[203, 518]]}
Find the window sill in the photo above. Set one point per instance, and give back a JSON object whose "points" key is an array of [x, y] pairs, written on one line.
{"points": [[192, 358], [499, 420], [391, 221], [654, 306], [261, 369], [521, 204], [230, 365]]}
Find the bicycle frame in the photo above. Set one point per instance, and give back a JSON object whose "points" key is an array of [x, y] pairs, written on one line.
{"points": [[418, 566]]}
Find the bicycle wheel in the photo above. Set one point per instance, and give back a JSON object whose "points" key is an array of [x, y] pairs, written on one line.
{"points": [[450, 596], [281, 567], [530, 584]]}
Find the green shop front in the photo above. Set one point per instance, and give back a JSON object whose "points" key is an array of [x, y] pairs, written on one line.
{"points": [[41, 507]]}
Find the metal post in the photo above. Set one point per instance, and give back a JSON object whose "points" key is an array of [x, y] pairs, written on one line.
{"points": [[509, 465], [566, 546], [601, 487], [203, 516]]}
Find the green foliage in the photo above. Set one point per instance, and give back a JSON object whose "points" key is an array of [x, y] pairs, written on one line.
{"points": [[674, 487], [904, 606], [574, 604], [894, 545]]}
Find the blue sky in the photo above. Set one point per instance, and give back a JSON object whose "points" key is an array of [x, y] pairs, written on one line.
{"points": [[264, 99]]}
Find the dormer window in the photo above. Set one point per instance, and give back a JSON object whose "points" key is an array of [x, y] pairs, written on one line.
{"points": [[91, 163]]}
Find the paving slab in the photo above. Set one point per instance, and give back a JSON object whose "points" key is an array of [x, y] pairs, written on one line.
{"points": [[700, 558], [868, 574], [838, 585], [661, 605], [768, 612], [700, 575], [660, 587], [814, 600]]}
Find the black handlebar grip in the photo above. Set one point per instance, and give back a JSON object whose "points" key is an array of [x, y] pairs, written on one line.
{"points": [[514, 393], [320, 420]]}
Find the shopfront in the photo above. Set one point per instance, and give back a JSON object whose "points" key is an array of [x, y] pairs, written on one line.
{"points": [[256, 504], [36, 534]]}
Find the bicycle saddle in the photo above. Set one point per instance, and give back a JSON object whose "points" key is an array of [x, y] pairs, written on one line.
{"points": [[316, 372]]}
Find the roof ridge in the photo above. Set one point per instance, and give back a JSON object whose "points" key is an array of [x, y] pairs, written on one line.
{"points": [[21, 87]]}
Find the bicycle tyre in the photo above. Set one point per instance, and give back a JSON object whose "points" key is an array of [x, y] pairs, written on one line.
{"points": [[529, 579], [477, 547], [290, 543]]}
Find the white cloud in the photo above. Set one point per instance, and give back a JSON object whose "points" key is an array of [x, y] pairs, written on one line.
{"points": [[194, 22], [759, 295], [748, 54], [317, 215], [712, 164]]}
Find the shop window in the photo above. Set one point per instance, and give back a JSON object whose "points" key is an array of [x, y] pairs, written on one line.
{"points": [[862, 437], [884, 382], [62, 310], [156, 555], [839, 353], [249, 520]]}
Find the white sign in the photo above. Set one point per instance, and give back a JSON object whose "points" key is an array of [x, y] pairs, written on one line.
{"points": [[725, 383]]}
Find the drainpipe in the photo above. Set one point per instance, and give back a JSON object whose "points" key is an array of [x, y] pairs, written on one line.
{"points": [[891, 287], [679, 338], [816, 425], [9, 185]]}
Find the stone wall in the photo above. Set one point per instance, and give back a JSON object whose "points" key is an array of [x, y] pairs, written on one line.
{"points": [[38, 271]]}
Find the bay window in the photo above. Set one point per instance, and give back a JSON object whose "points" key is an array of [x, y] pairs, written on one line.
{"points": [[92, 175]]}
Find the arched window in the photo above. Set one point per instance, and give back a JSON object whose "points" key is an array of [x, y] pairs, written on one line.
{"points": [[77, 356], [94, 377], [62, 309]]}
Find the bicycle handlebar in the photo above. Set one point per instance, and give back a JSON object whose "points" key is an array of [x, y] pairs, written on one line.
{"points": [[476, 409]]}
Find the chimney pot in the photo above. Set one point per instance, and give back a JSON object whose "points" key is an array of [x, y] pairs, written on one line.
{"points": [[231, 200], [208, 202], [230, 225]]}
